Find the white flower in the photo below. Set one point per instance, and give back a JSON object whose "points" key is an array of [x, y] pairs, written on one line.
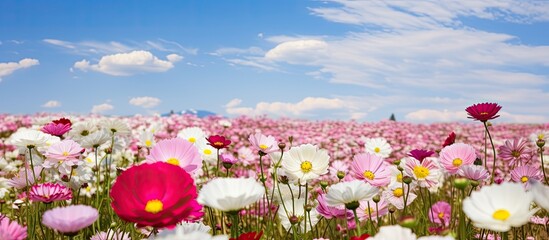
{"points": [[230, 194], [82, 129], [207, 152], [187, 230], [95, 139], [288, 191], [296, 208], [194, 135], [541, 194], [116, 126], [266, 144], [499, 207], [27, 138], [436, 238], [305, 162], [394, 232], [394, 194], [146, 139], [378, 146], [347, 192]]}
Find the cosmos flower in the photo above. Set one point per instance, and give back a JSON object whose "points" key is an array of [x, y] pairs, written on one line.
{"points": [[178, 152], [218, 142], [344, 193], [367, 210], [70, 219], [473, 172], [29, 138], [420, 154], [329, 212], [194, 135], [524, 174], [378, 146], [440, 213], [305, 162], [57, 127], [454, 156], [157, 195], [393, 232], [295, 209], [371, 168], [338, 169], [395, 195], [230, 194], [515, 151], [266, 144], [95, 139], [451, 139], [483, 111], [66, 152], [116, 126], [11, 229], [499, 207], [426, 173], [540, 193], [49, 192], [111, 235]]}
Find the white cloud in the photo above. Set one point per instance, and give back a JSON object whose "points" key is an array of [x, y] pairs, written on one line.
{"points": [[306, 107], [52, 104], [145, 102], [174, 58], [238, 51], [126, 64], [431, 115], [293, 51], [10, 67], [101, 108]]}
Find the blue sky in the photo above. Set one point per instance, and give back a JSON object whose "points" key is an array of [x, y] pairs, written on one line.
{"points": [[425, 61]]}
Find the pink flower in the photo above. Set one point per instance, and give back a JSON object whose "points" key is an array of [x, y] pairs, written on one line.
{"points": [[49, 192], [426, 173], [524, 173], [11, 229], [19, 181], [71, 219], [266, 144], [66, 151], [367, 210], [330, 212], [454, 156], [473, 172], [440, 213], [371, 168], [483, 111], [338, 169], [228, 158], [515, 152], [157, 195], [57, 127], [178, 152]]}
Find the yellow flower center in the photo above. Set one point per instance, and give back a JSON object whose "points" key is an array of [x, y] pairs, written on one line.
{"points": [[501, 214], [370, 211], [399, 177], [457, 162], [369, 175], [192, 140], [148, 143], [173, 161], [524, 179], [207, 151], [154, 206], [263, 146], [306, 166], [88, 189], [441, 215], [421, 172], [541, 136], [65, 154], [377, 150], [484, 113], [219, 144], [398, 192]]}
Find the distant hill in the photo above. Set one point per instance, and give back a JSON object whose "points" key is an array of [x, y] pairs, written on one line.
{"points": [[198, 113]]}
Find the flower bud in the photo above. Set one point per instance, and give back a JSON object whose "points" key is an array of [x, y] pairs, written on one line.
{"points": [[376, 198], [323, 184], [461, 183], [407, 179], [408, 222], [478, 162], [294, 220], [281, 145], [540, 143]]}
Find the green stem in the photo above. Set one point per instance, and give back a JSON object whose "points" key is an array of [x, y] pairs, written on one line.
{"points": [[542, 164], [493, 150], [357, 223]]}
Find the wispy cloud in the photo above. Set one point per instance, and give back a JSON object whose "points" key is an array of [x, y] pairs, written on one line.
{"points": [[145, 102], [102, 108], [126, 64], [112, 47], [10, 67], [52, 104]]}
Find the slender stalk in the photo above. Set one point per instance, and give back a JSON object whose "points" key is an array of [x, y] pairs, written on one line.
{"points": [[542, 164], [357, 223], [493, 150]]}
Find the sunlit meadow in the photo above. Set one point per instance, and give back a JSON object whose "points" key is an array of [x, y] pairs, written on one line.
{"points": [[184, 177]]}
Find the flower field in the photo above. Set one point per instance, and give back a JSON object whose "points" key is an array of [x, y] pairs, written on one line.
{"points": [[184, 177]]}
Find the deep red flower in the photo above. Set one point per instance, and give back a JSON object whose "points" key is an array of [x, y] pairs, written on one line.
{"points": [[420, 154], [249, 236], [451, 139], [218, 142], [63, 121], [361, 237], [483, 111], [157, 195]]}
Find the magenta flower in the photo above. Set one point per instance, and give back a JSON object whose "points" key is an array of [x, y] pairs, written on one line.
{"points": [[70, 219], [473, 172], [515, 152], [454, 156], [57, 127], [49, 192], [11, 229], [330, 212], [178, 152], [524, 173], [420, 154], [371, 168], [266, 144], [483, 111], [218, 141], [440, 213]]}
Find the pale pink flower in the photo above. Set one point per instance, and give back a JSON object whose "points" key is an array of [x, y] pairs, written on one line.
{"points": [[66, 152], [524, 173], [454, 156], [178, 152], [19, 181], [515, 151], [394, 194], [426, 173], [266, 144], [367, 210], [473, 172], [49, 192], [11, 229], [71, 219], [440, 213], [371, 168], [328, 211]]}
